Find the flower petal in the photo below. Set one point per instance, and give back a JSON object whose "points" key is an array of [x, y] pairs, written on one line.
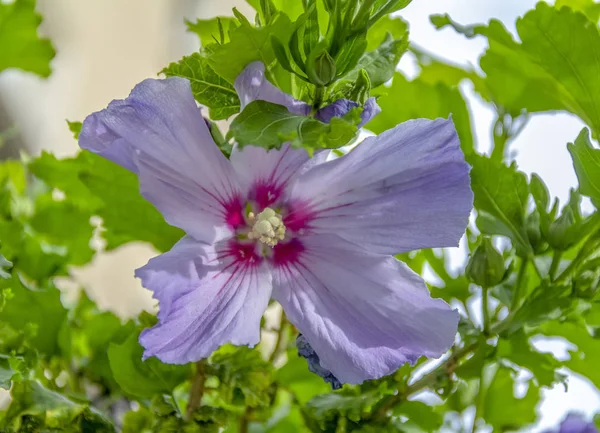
{"points": [[159, 132], [575, 423], [405, 189], [341, 107], [207, 298], [252, 85], [266, 173], [363, 314], [370, 110]]}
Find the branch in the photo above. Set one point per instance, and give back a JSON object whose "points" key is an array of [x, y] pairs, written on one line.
{"points": [[196, 389]]}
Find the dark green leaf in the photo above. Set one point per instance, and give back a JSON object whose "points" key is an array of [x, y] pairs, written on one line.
{"points": [[20, 45], [143, 378], [425, 416], [270, 125], [589, 7], [209, 88]]}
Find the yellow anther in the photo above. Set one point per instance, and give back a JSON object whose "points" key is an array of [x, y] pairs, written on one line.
{"points": [[267, 227]]}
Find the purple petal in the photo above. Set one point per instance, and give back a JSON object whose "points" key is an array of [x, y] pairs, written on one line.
{"points": [[406, 189], [370, 110], [363, 314], [206, 299], [339, 108], [577, 424], [159, 132], [252, 85], [266, 173]]}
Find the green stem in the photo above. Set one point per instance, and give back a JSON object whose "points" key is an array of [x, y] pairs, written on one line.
{"points": [[519, 284], [554, 265], [245, 421], [444, 369], [319, 93], [480, 399], [485, 310], [196, 389]]}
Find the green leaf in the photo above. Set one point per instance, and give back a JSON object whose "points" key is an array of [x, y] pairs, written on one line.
{"points": [[501, 192], [584, 359], [37, 312], [75, 128], [208, 30], [208, 88], [502, 409], [545, 303], [543, 366], [270, 125], [4, 264], [395, 26], [296, 377], [244, 376], [553, 68], [293, 8], [423, 415], [31, 399], [246, 45], [586, 159], [588, 7], [6, 372], [107, 190], [406, 100], [20, 45], [140, 378], [381, 63], [328, 407]]}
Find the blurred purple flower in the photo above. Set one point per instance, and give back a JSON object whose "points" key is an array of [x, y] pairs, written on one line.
{"points": [[316, 235], [252, 85], [575, 423]]}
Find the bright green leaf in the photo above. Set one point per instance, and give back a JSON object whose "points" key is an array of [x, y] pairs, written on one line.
{"points": [[381, 63], [246, 45], [588, 7], [209, 89], [20, 45], [555, 66], [502, 409], [208, 30], [30, 398], [586, 159], [406, 100], [501, 192]]}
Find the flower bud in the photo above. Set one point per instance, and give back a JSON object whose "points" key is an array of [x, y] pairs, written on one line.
{"points": [[361, 88], [561, 232], [587, 284], [322, 70], [486, 266], [533, 232]]}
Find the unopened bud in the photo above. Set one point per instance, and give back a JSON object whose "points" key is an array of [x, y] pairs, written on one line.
{"points": [[533, 232], [561, 231], [486, 266], [322, 71]]}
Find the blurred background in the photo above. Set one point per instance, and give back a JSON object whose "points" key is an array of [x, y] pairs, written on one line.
{"points": [[105, 47]]}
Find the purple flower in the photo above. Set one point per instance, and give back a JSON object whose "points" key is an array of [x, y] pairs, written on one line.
{"points": [[315, 235], [574, 423], [252, 84]]}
